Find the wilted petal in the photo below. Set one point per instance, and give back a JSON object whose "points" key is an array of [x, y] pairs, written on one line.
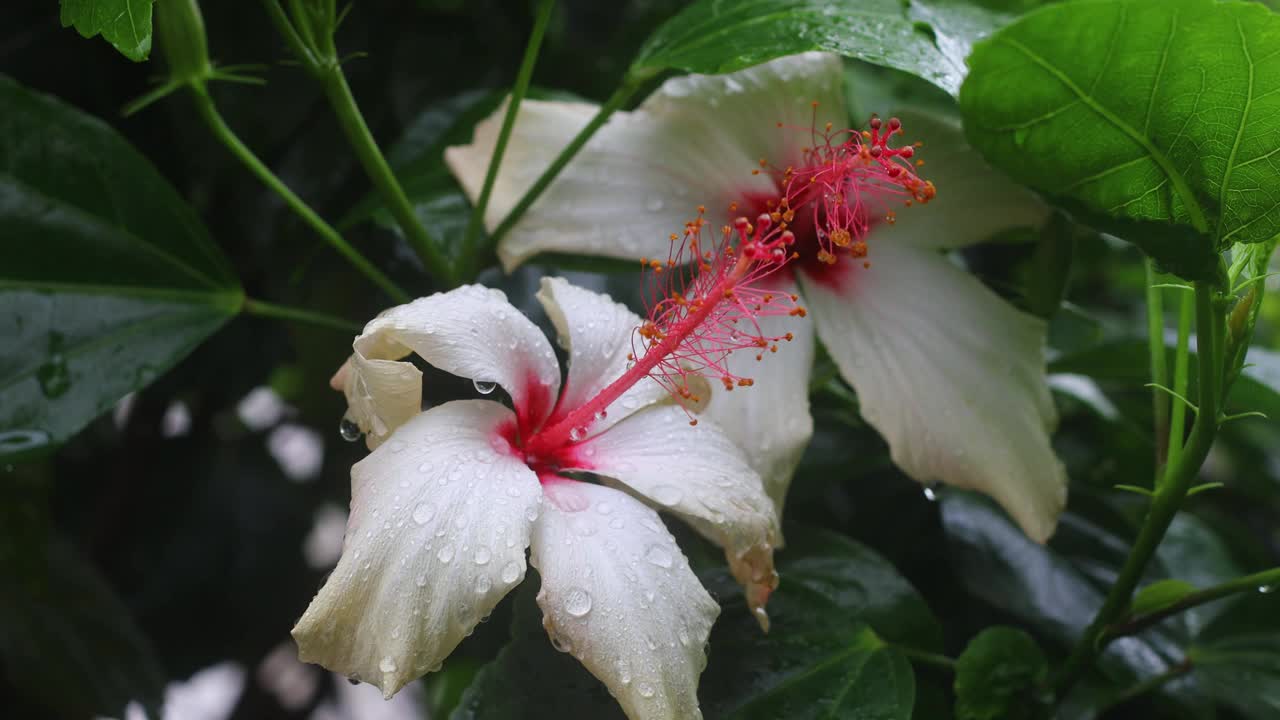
{"points": [[694, 142], [618, 594], [950, 374], [597, 334], [440, 519], [471, 331], [700, 474]]}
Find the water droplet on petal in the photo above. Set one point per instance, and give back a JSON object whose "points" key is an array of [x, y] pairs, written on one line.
{"points": [[484, 387], [423, 513], [658, 555], [576, 434], [511, 572], [482, 555], [577, 602], [483, 584], [388, 665], [349, 430], [645, 690], [445, 554]]}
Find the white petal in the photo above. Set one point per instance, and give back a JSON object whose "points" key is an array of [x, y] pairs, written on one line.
{"points": [[950, 374], [471, 331], [770, 420], [597, 334], [700, 474], [694, 142], [440, 519], [974, 201], [618, 594]]}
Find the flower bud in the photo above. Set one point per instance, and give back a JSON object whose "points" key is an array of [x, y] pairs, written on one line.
{"points": [[180, 28]]}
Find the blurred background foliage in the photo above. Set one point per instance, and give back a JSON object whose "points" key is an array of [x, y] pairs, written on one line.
{"points": [[165, 552]]}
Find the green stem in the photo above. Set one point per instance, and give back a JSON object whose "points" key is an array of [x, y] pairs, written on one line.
{"points": [[508, 123], [1247, 583], [1166, 501], [283, 312], [615, 101], [927, 658], [1152, 683], [1178, 419], [1159, 363], [223, 132], [379, 171]]}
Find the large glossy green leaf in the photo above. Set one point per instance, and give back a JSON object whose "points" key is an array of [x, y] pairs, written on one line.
{"points": [[821, 659], [68, 644], [126, 24], [927, 38], [108, 276], [1157, 119], [997, 675]]}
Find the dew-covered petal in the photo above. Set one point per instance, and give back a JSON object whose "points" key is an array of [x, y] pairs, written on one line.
{"points": [[698, 473], [441, 515], [950, 374], [597, 334], [974, 201], [619, 595], [694, 142], [471, 331], [770, 420]]}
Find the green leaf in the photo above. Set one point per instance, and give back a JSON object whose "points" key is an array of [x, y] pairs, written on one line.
{"points": [[108, 276], [1154, 119], [1159, 595], [69, 644], [822, 659], [997, 674], [927, 38], [126, 24], [1242, 672]]}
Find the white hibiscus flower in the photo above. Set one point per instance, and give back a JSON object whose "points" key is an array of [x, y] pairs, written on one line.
{"points": [[950, 374], [445, 506]]}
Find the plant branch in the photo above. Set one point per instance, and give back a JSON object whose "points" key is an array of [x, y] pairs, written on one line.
{"points": [[518, 92], [927, 658], [1247, 583], [619, 98], [379, 171], [1152, 683], [223, 132], [283, 312], [1159, 363], [1178, 419], [1166, 501]]}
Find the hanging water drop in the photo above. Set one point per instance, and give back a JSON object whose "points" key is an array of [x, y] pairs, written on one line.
{"points": [[349, 430], [577, 602], [931, 493], [484, 387], [1265, 589]]}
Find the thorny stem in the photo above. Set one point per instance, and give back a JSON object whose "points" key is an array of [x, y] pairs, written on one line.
{"points": [[508, 123], [1247, 583], [284, 312], [223, 132], [619, 98], [1167, 498]]}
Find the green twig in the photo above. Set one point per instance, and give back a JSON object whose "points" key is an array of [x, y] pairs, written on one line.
{"points": [[1248, 583], [223, 132], [1152, 683], [1167, 500], [283, 312], [1178, 417], [1159, 363], [615, 101], [518, 92], [927, 658]]}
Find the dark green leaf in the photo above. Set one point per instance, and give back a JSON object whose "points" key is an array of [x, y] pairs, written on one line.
{"points": [[108, 276], [822, 659], [126, 24], [1243, 672], [69, 644], [997, 675], [927, 38], [1155, 119]]}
